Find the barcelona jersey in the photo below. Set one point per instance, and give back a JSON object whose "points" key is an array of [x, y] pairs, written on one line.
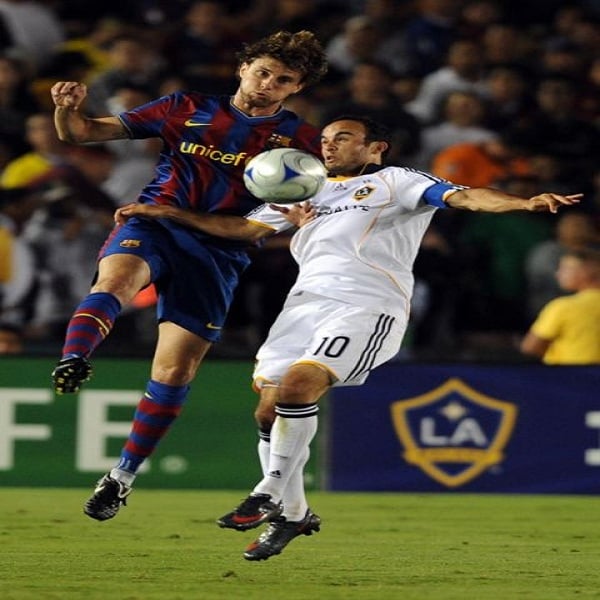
{"points": [[207, 143]]}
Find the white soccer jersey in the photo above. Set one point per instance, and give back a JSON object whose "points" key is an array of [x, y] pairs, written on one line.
{"points": [[362, 245]]}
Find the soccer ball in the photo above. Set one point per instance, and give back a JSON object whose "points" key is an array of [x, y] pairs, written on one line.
{"points": [[284, 175]]}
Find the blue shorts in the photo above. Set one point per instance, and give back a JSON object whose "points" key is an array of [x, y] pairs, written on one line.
{"points": [[195, 280]]}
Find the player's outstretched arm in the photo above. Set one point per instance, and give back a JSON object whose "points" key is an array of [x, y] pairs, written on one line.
{"points": [[227, 226], [76, 128], [491, 200]]}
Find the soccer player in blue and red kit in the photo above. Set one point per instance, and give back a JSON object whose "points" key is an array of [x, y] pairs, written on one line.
{"points": [[207, 140]]}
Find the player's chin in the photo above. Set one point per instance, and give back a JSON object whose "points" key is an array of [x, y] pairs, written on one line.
{"points": [[261, 101]]}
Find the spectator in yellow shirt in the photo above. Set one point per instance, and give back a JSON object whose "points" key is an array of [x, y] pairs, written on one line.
{"points": [[567, 329], [46, 152]]}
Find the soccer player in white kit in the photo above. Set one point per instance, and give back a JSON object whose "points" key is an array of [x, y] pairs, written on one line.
{"points": [[348, 310]]}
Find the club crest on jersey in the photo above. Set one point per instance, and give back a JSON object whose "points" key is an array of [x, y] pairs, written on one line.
{"points": [[363, 192], [453, 433], [277, 140], [130, 243]]}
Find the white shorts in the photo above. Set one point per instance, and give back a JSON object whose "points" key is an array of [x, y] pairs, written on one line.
{"points": [[348, 341]]}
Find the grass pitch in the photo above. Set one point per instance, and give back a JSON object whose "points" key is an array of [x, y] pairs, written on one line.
{"points": [[165, 545]]}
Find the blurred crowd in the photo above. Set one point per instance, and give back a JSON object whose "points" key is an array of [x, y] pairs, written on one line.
{"points": [[481, 92]]}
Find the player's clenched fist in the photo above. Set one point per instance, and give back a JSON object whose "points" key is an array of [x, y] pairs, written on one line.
{"points": [[68, 94]]}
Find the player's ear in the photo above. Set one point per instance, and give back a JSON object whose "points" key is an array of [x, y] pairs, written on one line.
{"points": [[299, 87], [243, 68], [379, 147]]}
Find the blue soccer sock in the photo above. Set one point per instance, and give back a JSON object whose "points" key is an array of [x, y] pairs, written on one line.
{"points": [[156, 411], [91, 322]]}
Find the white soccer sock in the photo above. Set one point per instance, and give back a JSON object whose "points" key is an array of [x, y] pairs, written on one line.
{"points": [[125, 477], [294, 500], [264, 449], [293, 430]]}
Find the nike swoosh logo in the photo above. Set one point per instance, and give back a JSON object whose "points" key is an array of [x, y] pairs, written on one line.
{"points": [[190, 123], [211, 326]]}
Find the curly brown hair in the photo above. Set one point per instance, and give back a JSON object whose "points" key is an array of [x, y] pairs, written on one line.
{"points": [[300, 51]]}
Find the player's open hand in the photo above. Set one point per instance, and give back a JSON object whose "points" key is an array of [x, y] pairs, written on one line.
{"points": [[68, 94], [552, 202], [135, 209], [297, 214]]}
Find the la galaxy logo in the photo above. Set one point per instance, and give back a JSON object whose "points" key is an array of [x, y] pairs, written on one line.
{"points": [[363, 192], [453, 433]]}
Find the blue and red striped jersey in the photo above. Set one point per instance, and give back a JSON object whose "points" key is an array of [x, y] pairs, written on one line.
{"points": [[206, 144]]}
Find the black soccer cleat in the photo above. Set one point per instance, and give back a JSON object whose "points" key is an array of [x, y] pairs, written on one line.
{"points": [[253, 511], [279, 534], [107, 499], [70, 373]]}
